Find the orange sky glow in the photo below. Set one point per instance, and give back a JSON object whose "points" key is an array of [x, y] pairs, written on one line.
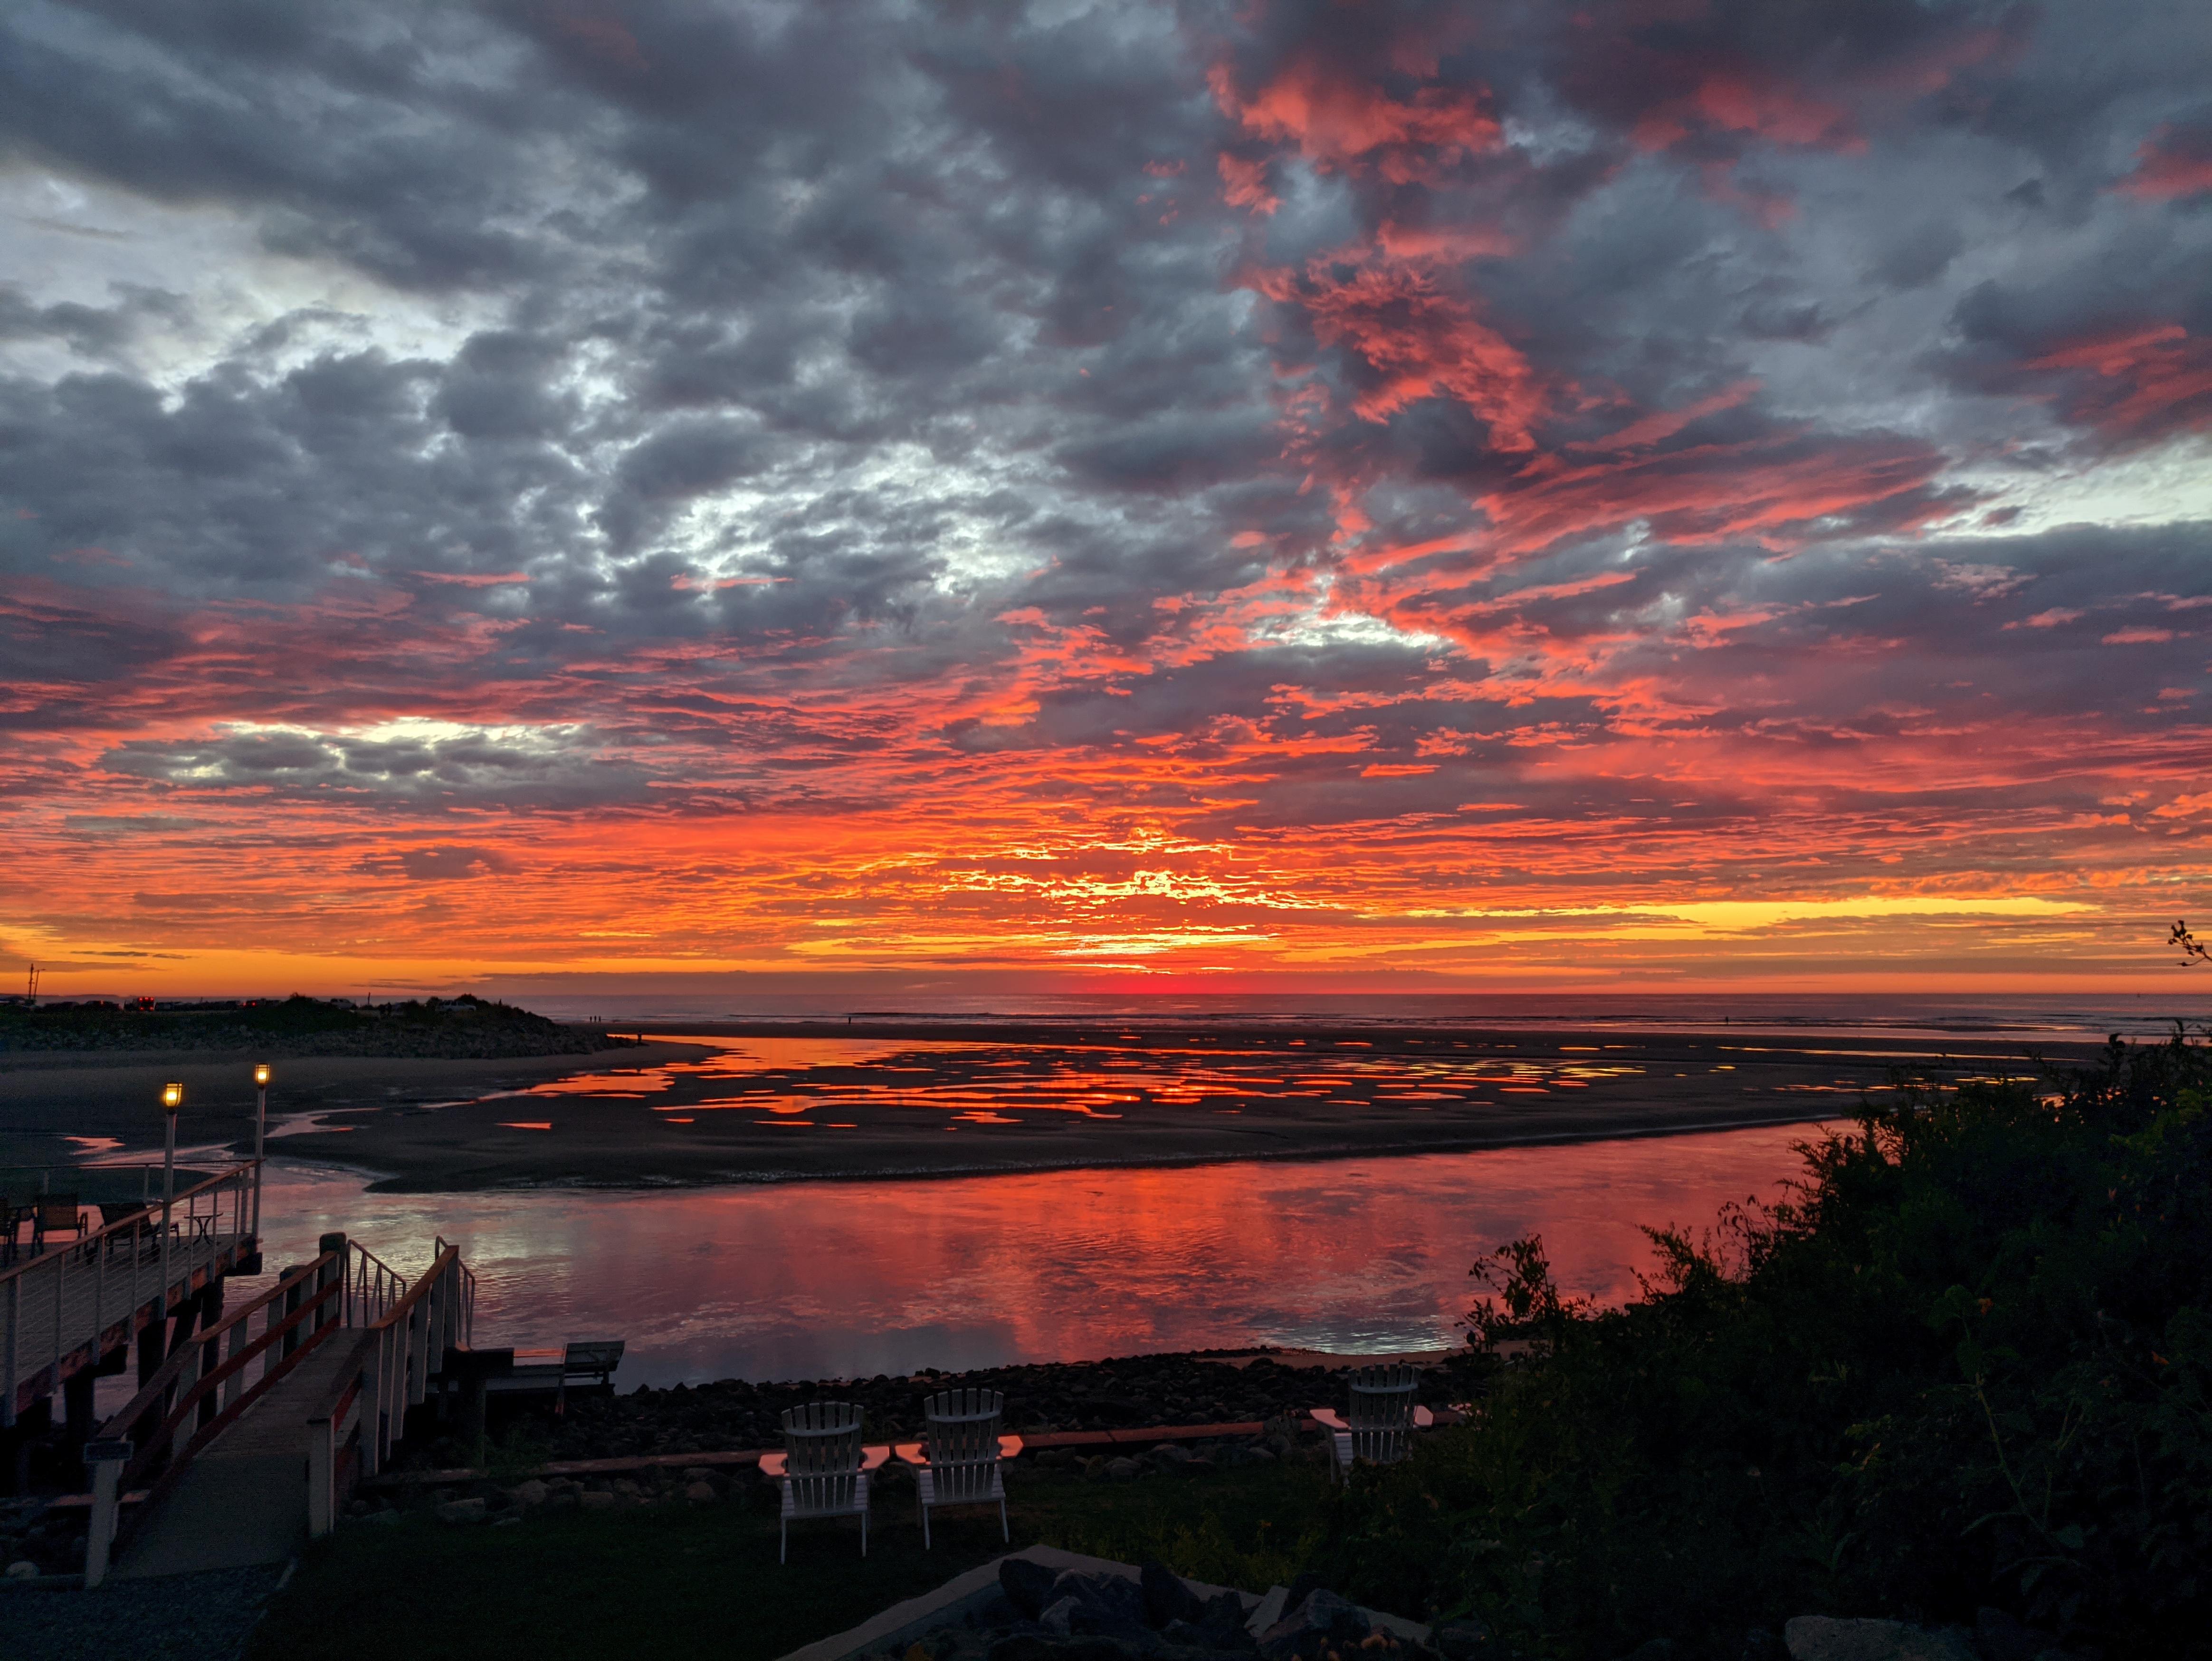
{"points": [[1391, 507]]}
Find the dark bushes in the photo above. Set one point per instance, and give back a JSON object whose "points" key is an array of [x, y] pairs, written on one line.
{"points": [[1966, 1365]]}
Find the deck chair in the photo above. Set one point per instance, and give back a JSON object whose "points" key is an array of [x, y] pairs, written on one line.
{"points": [[958, 1463], [1383, 1420], [824, 1468], [56, 1214], [592, 1360]]}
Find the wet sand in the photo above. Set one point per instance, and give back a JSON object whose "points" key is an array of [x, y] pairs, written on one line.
{"points": [[54, 1104], [820, 1102]]}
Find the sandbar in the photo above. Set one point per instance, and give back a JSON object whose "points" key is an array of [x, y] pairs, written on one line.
{"points": [[813, 1102]]}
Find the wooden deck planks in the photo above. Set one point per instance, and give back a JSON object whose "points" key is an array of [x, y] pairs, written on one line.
{"points": [[244, 1501], [98, 1311]]}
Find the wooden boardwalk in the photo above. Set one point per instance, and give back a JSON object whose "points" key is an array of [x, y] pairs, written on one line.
{"points": [[244, 1499], [255, 1439], [68, 1307]]}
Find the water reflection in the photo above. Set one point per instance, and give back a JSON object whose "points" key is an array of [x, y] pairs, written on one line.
{"points": [[813, 1279]]}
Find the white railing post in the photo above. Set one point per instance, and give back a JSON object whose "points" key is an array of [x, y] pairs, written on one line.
{"points": [[415, 1381], [15, 1308], [322, 1478], [107, 1460], [372, 1411], [233, 1386], [100, 1292], [61, 1256]]}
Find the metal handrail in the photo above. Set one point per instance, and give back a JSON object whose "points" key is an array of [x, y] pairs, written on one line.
{"points": [[84, 1243], [468, 1282], [170, 1373], [373, 1286], [182, 1391], [116, 1257]]}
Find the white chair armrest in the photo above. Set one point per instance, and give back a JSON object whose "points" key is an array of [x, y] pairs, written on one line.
{"points": [[1423, 1419], [872, 1457], [773, 1464], [1326, 1417], [1010, 1447], [910, 1453]]}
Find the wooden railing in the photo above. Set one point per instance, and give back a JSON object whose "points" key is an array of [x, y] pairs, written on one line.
{"points": [[199, 1392], [349, 1435], [53, 1305]]}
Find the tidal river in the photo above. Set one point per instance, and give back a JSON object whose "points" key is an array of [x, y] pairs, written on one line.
{"points": [[851, 1279]]}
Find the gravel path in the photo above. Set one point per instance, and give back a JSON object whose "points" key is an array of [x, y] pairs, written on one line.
{"points": [[178, 1617]]}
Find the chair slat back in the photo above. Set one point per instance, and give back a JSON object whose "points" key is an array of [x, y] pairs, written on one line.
{"points": [[962, 1441], [823, 1442], [58, 1211], [1382, 1416]]}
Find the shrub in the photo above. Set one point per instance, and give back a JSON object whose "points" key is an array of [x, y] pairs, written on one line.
{"points": [[1965, 1362]]}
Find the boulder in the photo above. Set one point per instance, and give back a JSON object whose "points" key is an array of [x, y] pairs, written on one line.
{"points": [[596, 1500], [1761, 1645], [1095, 1606], [701, 1493], [1823, 1638], [1321, 1621], [22, 1569], [1221, 1623], [461, 1511], [531, 1493], [1028, 1586], [1166, 1598], [1124, 1469]]}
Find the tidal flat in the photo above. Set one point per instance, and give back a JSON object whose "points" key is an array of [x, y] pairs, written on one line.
{"points": [[815, 1101]]}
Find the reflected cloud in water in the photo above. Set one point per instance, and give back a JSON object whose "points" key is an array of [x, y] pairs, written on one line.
{"points": [[823, 1280]]}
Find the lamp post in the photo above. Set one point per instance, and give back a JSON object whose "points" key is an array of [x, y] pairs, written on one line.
{"points": [[260, 1137], [173, 1098]]}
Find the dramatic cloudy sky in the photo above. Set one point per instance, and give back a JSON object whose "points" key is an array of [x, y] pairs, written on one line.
{"points": [[1105, 494]]}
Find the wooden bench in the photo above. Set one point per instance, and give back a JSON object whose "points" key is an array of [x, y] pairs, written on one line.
{"points": [[590, 1361]]}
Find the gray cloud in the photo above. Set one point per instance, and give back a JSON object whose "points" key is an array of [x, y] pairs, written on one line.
{"points": [[472, 770]]}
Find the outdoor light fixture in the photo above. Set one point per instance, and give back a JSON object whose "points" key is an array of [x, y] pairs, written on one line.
{"points": [[260, 1139], [173, 1098]]}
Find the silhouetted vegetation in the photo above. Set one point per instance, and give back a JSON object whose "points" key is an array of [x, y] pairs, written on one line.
{"points": [[1968, 1362], [465, 1026]]}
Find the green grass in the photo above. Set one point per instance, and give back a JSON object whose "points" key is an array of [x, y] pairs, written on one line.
{"points": [[683, 1580]]}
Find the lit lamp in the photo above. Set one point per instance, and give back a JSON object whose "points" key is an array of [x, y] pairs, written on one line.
{"points": [[260, 1136], [173, 1098]]}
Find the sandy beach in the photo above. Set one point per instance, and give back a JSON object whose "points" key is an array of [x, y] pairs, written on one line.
{"points": [[54, 1103], [816, 1101]]}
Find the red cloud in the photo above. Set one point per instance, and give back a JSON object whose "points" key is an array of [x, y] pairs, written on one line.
{"points": [[2173, 162], [1338, 121], [1703, 492], [2149, 381], [1244, 184], [1421, 340], [1753, 102]]}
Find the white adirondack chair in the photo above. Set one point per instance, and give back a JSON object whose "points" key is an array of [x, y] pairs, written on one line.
{"points": [[1382, 1421], [824, 1468], [957, 1464]]}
